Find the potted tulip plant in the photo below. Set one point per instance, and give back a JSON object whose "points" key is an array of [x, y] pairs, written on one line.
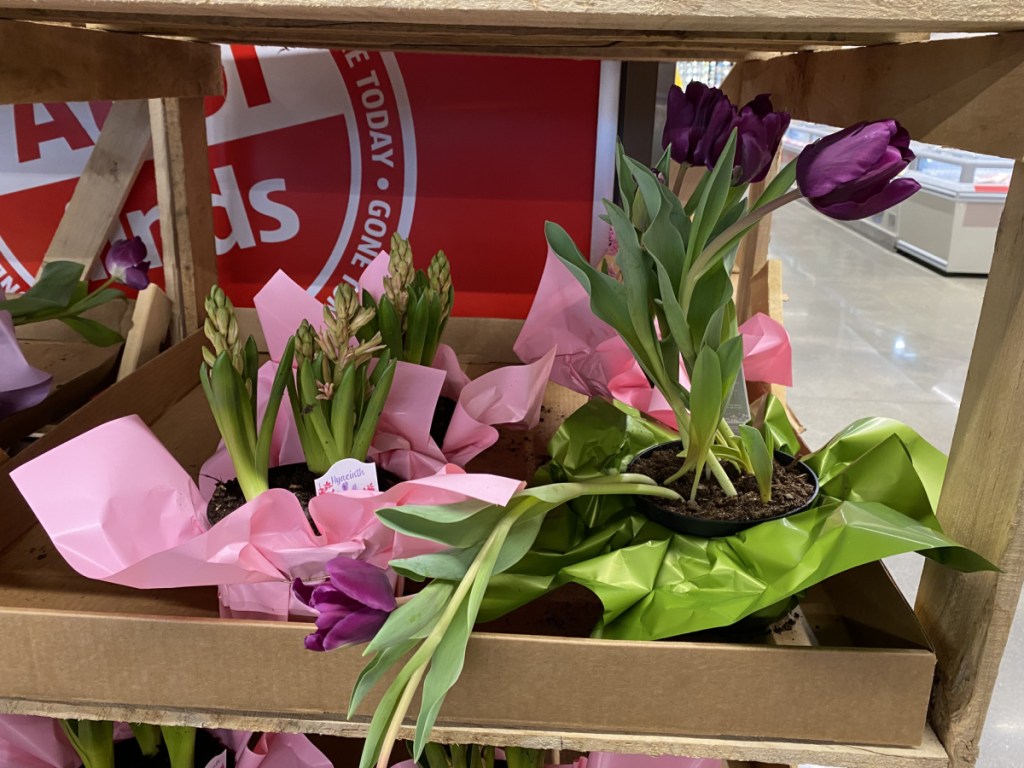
{"points": [[672, 298]]}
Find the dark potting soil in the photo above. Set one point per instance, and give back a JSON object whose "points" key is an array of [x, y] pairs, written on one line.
{"points": [[128, 755], [297, 478], [442, 419], [791, 488]]}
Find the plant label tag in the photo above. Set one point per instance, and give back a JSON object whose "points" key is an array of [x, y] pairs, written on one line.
{"points": [[220, 761], [737, 408], [348, 475]]}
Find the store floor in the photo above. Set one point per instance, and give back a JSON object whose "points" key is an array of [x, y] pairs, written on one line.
{"points": [[875, 334]]}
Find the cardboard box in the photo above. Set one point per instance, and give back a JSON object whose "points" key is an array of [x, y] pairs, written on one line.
{"points": [[79, 368], [75, 646]]}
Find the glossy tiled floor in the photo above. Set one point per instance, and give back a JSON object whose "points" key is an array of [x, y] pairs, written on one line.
{"points": [[875, 334]]}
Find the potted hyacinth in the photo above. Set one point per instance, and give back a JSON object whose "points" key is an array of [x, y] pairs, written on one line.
{"points": [[671, 300], [337, 378]]}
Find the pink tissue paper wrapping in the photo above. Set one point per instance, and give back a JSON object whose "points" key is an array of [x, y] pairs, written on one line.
{"points": [[39, 742], [590, 358]]}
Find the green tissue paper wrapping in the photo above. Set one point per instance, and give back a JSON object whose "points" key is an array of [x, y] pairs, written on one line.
{"points": [[880, 482]]}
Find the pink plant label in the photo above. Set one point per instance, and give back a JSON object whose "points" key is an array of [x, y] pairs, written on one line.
{"points": [[348, 475], [221, 761]]}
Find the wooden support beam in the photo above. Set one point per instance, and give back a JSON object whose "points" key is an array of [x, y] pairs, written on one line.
{"points": [[752, 255], [186, 214], [103, 186], [519, 40], [961, 93], [968, 616], [786, 16], [46, 62]]}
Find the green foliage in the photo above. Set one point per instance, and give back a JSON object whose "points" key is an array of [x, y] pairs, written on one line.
{"points": [[93, 740], [228, 376], [413, 311], [675, 297], [60, 293], [435, 624], [338, 392]]}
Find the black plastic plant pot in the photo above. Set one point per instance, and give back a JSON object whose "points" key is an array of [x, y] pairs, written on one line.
{"points": [[680, 522]]}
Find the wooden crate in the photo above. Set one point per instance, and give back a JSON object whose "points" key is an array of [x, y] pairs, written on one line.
{"points": [[962, 92]]}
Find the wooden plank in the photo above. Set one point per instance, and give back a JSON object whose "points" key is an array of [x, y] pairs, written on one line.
{"points": [[45, 63], [753, 251], [572, 42], [968, 617], [151, 320], [104, 185], [697, 15], [929, 755], [961, 93], [186, 213]]}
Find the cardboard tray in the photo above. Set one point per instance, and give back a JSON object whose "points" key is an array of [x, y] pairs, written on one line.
{"points": [[86, 647], [79, 368]]}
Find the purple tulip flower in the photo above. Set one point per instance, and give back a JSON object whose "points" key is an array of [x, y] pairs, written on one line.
{"points": [[701, 119], [695, 118], [759, 133], [126, 262], [852, 173], [352, 604]]}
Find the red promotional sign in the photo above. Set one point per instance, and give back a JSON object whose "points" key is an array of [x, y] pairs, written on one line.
{"points": [[317, 157]]}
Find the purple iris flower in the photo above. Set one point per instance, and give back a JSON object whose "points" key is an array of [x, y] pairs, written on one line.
{"points": [[851, 174], [352, 604], [126, 263]]}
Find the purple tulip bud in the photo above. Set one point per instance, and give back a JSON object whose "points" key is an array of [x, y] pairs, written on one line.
{"points": [[126, 262], [851, 174], [352, 604]]}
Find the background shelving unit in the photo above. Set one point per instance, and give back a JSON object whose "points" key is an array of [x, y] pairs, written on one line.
{"points": [[959, 92]]}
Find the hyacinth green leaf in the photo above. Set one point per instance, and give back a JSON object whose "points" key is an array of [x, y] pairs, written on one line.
{"points": [[277, 388], [371, 414], [416, 330], [390, 327], [760, 459]]}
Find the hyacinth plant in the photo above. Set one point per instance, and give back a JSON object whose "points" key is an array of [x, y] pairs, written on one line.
{"points": [[338, 391], [228, 375], [61, 293], [413, 311], [672, 299], [425, 636]]}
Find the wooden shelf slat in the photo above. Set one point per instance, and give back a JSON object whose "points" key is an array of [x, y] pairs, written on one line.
{"points": [[929, 755]]}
